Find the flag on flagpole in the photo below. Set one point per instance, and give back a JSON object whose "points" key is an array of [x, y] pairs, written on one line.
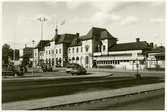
{"points": [[63, 22]]}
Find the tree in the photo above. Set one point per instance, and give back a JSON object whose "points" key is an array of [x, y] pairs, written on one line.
{"points": [[7, 53]]}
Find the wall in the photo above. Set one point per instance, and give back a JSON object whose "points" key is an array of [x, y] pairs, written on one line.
{"points": [[56, 53], [120, 59], [85, 57]]}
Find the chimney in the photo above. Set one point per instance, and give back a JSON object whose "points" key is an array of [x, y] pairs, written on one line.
{"points": [[137, 39], [25, 45], [77, 34]]}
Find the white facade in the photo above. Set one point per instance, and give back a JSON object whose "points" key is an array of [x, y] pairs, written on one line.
{"points": [[53, 54], [88, 54], [120, 59], [81, 54]]}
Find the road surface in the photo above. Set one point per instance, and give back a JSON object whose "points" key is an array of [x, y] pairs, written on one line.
{"points": [[14, 90]]}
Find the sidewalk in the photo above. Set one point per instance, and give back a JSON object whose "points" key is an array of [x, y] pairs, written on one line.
{"points": [[121, 70], [80, 97]]}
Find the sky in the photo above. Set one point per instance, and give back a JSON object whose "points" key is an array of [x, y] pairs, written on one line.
{"points": [[124, 20]]}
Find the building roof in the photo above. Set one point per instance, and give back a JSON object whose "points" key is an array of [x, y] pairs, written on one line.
{"points": [[130, 46], [28, 48], [64, 38], [76, 42], [41, 44], [97, 33], [160, 49]]}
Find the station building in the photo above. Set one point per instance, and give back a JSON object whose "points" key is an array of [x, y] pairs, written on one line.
{"points": [[98, 48]]}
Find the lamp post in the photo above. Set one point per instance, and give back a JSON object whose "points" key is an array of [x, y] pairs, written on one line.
{"points": [[33, 58], [138, 76], [42, 20]]}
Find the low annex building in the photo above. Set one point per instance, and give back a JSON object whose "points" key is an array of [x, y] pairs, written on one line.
{"points": [[98, 48]]}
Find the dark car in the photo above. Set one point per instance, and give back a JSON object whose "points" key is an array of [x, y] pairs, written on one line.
{"points": [[11, 70]]}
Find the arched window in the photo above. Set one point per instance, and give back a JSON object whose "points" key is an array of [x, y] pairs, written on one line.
{"points": [[73, 58], [49, 61], [52, 61], [77, 58], [60, 51], [73, 50], [60, 60], [56, 61], [86, 59], [87, 48]]}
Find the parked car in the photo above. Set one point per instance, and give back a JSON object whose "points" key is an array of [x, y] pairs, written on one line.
{"points": [[75, 68], [11, 70], [78, 70], [70, 66]]}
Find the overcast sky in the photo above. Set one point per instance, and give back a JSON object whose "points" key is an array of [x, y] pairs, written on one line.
{"points": [[124, 20]]}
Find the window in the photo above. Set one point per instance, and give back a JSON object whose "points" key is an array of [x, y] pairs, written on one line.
{"points": [[60, 51], [77, 58], [77, 50], [52, 61], [81, 49], [73, 50], [87, 48], [52, 51], [104, 47], [56, 51], [46, 61], [113, 61], [118, 61], [49, 51]]}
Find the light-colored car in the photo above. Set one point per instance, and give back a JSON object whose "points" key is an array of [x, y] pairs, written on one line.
{"points": [[70, 66], [68, 69], [78, 70], [75, 68]]}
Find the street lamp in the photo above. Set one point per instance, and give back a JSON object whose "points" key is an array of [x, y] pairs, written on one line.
{"points": [[42, 20], [138, 76], [33, 58]]}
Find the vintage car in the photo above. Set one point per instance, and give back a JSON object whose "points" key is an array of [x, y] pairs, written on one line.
{"points": [[75, 68], [11, 70]]}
